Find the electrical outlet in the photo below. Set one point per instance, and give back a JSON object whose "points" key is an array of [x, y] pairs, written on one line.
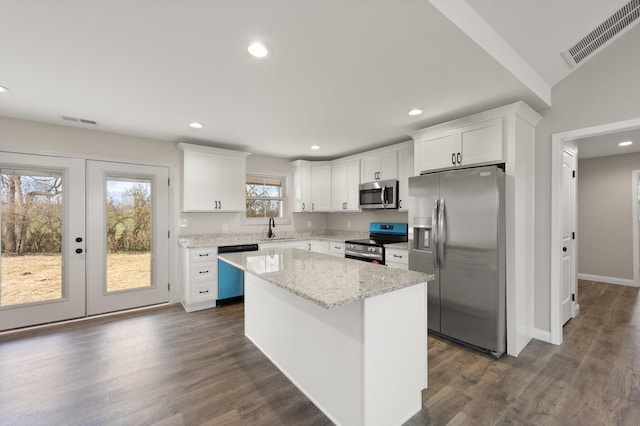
{"points": [[224, 227], [308, 224]]}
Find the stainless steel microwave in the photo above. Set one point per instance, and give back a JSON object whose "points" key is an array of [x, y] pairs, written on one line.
{"points": [[381, 194]]}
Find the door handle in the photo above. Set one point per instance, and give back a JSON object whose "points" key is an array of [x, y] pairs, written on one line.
{"points": [[219, 204], [453, 158], [442, 231], [303, 206], [216, 207], [459, 157], [434, 232]]}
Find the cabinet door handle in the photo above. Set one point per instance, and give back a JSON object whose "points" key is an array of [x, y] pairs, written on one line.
{"points": [[302, 206], [204, 255], [219, 204], [313, 206], [203, 291], [398, 256], [399, 204], [344, 206], [459, 159], [203, 272], [216, 207], [453, 158], [309, 246]]}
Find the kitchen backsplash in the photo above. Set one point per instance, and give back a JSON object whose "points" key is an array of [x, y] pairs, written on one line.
{"points": [[212, 223]]}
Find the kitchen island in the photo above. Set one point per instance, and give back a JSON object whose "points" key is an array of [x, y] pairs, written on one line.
{"points": [[351, 335]]}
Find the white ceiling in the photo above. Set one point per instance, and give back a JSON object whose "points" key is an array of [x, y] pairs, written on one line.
{"points": [[342, 74], [605, 145]]}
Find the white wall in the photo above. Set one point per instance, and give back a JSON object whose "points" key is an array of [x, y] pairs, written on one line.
{"points": [[604, 90]]}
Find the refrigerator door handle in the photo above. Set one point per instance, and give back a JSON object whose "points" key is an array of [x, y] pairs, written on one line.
{"points": [[442, 234], [434, 232]]}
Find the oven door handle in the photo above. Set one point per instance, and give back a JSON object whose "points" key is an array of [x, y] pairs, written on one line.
{"points": [[363, 255]]}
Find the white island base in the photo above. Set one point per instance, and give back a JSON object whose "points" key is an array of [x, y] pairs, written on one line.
{"points": [[363, 363]]}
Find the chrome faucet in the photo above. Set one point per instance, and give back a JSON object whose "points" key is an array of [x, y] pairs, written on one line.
{"points": [[272, 224]]}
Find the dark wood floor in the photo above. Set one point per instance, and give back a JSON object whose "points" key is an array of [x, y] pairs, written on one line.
{"points": [[166, 367]]}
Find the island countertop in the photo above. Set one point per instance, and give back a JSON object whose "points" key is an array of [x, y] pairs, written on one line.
{"points": [[326, 280]]}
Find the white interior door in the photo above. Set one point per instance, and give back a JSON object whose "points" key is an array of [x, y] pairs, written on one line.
{"points": [[127, 236], [42, 262], [568, 235]]}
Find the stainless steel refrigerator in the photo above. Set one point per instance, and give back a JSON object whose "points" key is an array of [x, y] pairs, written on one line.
{"points": [[457, 233]]}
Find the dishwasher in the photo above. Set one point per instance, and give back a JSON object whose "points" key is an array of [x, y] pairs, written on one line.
{"points": [[230, 278]]}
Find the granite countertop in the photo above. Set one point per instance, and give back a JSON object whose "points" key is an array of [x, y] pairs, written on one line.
{"points": [[328, 281], [229, 239]]}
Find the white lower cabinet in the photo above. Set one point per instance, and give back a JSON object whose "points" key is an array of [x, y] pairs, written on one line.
{"points": [[396, 258], [200, 278], [319, 246], [336, 248]]}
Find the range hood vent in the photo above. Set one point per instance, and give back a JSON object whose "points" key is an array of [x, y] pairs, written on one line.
{"points": [[616, 25]]}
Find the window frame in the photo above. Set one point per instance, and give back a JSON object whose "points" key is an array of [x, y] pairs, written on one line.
{"points": [[285, 219]]}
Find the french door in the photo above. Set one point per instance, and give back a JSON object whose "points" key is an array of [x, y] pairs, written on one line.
{"points": [[127, 236], [79, 238]]}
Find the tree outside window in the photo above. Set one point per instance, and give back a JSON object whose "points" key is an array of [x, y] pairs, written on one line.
{"points": [[265, 197]]}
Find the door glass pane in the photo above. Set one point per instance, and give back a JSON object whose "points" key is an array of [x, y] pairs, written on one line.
{"points": [[31, 237], [128, 233]]}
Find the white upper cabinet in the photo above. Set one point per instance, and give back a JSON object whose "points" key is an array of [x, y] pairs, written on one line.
{"points": [[311, 186], [345, 178], [473, 144], [381, 166], [213, 180], [320, 186], [301, 171], [405, 171]]}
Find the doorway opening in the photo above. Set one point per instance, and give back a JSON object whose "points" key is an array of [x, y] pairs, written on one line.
{"points": [[558, 142]]}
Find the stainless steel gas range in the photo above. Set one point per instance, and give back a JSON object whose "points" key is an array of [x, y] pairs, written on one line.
{"points": [[372, 249]]}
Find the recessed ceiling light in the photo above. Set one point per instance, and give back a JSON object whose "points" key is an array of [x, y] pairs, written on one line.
{"points": [[196, 125], [315, 147], [415, 111], [258, 49], [625, 143], [3, 89]]}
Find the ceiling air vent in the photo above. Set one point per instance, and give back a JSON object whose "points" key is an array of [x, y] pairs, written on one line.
{"points": [[615, 25], [77, 120]]}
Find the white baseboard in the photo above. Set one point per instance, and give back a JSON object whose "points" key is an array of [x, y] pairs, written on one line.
{"points": [[608, 280], [542, 335]]}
